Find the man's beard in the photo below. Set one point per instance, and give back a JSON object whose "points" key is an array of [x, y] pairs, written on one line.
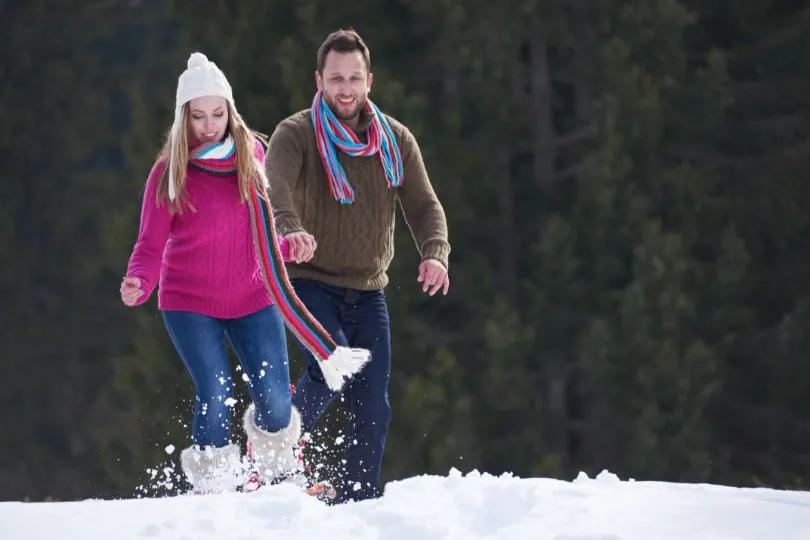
{"points": [[342, 114]]}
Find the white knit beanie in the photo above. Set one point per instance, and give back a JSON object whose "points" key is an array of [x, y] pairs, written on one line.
{"points": [[201, 78]]}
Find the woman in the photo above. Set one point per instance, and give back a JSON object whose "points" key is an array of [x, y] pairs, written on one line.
{"points": [[207, 235]]}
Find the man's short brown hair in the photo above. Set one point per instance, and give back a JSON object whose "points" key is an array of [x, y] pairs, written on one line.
{"points": [[343, 41]]}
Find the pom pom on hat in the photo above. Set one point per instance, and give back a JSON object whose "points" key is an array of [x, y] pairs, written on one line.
{"points": [[197, 60]]}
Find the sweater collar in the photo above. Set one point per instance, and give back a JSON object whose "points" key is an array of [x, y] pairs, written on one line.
{"points": [[365, 119]]}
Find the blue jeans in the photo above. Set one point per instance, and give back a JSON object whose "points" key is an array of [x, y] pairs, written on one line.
{"points": [[357, 319], [259, 341]]}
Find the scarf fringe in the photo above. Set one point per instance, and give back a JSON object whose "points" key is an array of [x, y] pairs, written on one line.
{"points": [[342, 363], [336, 362]]}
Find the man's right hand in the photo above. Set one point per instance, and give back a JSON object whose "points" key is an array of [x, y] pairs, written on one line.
{"points": [[302, 246]]}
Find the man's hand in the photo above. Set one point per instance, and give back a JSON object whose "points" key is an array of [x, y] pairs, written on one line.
{"points": [[433, 276], [302, 246]]}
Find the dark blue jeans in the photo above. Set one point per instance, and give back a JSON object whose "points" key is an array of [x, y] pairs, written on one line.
{"points": [[355, 319], [259, 341]]}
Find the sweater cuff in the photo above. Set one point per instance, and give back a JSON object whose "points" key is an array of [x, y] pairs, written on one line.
{"points": [[438, 250], [289, 224]]}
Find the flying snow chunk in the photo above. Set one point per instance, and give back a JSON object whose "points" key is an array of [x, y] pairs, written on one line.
{"points": [[170, 449]]}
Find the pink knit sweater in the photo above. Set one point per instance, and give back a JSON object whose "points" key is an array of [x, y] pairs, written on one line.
{"points": [[205, 260]]}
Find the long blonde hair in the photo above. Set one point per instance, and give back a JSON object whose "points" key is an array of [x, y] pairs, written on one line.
{"points": [[250, 172]]}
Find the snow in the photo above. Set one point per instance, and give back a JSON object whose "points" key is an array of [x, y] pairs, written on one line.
{"points": [[457, 506]]}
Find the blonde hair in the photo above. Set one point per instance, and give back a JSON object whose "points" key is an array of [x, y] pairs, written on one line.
{"points": [[250, 172]]}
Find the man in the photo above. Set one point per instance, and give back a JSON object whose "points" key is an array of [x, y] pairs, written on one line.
{"points": [[336, 172]]}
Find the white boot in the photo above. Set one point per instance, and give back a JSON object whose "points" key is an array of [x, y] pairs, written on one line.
{"points": [[213, 470], [274, 453]]}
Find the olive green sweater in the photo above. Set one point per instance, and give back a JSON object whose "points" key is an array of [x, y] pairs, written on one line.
{"points": [[355, 242]]}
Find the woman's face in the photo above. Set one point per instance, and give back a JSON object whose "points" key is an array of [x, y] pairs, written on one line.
{"points": [[208, 118]]}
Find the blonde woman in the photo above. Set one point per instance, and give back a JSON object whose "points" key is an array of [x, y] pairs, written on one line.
{"points": [[207, 237]]}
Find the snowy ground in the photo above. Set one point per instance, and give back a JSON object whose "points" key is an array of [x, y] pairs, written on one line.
{"points": [[457, 506]]}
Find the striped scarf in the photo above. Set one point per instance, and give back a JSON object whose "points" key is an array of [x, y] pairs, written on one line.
{"points": [[336, 362], [214, 157], [332, 135]]}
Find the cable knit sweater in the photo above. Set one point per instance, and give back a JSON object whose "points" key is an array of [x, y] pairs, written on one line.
{"points": [[205, 261], [355, 242]]}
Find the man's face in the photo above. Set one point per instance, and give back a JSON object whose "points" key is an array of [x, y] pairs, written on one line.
{"points": [[345, 83]]}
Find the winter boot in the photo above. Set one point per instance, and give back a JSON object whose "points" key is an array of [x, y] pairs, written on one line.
{"points": [[212, 470], [272, 454]]}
